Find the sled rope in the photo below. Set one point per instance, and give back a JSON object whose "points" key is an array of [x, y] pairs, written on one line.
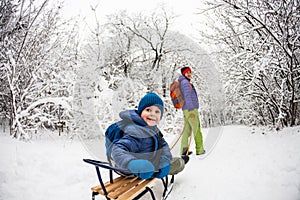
{"points": [[190, 140]]}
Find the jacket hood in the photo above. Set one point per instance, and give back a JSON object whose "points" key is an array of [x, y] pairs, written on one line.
{"points": [[132, 116]]}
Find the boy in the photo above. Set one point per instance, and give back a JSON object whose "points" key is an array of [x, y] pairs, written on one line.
{"points": [[142, 150]]}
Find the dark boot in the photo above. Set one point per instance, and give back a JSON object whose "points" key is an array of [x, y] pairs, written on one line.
{"points": [[185, 158], [184, 152]]}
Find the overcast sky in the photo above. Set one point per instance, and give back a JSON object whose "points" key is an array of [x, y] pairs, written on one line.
{"points": [[186, 9]]}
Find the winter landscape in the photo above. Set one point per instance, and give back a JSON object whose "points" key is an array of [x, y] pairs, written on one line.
{"points": [[246, 163], [67, 69]]}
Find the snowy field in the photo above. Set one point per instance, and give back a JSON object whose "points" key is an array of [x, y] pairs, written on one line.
{"points": [[246, 164]]}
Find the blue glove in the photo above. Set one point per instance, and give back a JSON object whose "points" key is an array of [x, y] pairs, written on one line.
{"points": [[141, 168], [163, 172]]}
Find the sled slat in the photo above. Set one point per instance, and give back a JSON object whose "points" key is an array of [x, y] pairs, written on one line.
{"points": [[123, 188], [135, 190]]}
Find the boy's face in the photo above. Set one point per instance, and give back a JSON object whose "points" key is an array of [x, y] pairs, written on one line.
{"points": [[151, 115]]}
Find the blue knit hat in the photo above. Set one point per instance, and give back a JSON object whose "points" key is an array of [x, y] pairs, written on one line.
{"points": [[151, 99]]}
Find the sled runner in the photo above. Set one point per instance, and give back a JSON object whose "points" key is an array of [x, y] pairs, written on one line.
{"points": [[125, 187]]}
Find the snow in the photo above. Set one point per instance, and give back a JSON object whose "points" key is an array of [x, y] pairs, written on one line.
{"points": [[246, 163]]}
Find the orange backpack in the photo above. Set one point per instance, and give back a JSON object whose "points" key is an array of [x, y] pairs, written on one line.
{"points": [[176, 95]]}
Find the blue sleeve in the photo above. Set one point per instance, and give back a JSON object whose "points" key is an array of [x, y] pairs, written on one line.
{"points": [[122, 150]]}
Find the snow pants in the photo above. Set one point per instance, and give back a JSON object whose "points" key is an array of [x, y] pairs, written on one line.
{"points": [[192, 124], [177, 165]]}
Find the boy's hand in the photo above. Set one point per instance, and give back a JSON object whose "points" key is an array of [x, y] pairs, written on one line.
{"points": [[141, 168], [163, 172]]}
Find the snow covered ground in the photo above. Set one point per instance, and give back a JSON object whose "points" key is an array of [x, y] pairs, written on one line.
{"points": [[246, 164]]}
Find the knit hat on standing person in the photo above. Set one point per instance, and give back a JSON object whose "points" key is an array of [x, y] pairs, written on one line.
{"points": [[151, 99], [185, 70]]}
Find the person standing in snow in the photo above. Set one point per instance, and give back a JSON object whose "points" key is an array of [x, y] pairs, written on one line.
{"points": [[142, 150], [190, 113]]}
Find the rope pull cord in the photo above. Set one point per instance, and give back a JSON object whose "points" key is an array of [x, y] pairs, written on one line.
{"points": [[190, 140]]}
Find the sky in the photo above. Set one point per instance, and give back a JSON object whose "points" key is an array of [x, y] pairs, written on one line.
{"points": [[184, 9]]}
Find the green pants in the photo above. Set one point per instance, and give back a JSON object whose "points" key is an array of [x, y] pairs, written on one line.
{"points": [[192, 124]]}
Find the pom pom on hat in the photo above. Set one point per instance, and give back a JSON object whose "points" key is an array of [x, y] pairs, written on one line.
{"points": [[185, 70], [151, 99]]}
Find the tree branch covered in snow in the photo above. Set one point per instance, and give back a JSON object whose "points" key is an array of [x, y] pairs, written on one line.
{"points": [[128, 46], [33, 65], [260, 54]]}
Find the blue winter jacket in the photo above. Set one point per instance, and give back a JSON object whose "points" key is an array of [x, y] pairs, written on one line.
{"points": [[191, 101], [140, 141]]}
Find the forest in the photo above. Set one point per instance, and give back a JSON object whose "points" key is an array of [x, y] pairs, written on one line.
{"points": [[53, 79]]}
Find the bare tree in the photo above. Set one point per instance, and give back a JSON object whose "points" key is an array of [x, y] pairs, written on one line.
{"points": [[145, 41]]}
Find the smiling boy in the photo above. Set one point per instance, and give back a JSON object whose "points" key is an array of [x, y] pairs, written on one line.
{"points": [[142, 150]]}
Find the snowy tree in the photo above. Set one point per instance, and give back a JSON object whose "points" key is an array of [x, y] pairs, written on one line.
{"points": [[32, 53], [260, 42], [121, 64], [144, 43]]}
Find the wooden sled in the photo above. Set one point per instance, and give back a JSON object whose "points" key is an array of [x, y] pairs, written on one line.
{"points": [[125, 187]]}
